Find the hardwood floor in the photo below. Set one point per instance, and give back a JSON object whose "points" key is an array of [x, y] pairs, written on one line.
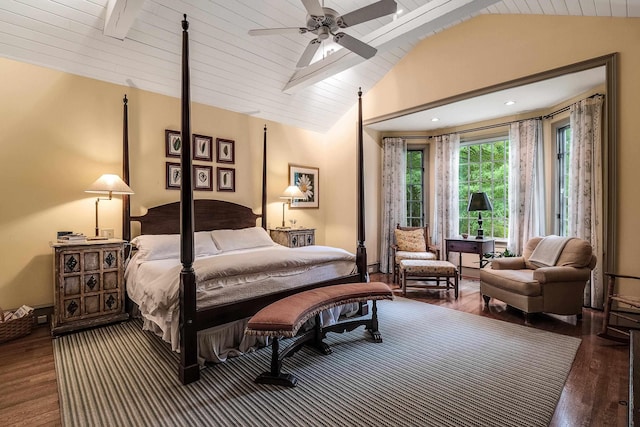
{"points": [[29, 390], [595, 393]]}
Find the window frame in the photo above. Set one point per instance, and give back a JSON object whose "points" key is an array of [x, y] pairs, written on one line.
{"points": [[561, 176], [408, 218], [490, 220]]}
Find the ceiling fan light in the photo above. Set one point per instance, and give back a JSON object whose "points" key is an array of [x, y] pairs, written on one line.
{"points": [[323, 33]]}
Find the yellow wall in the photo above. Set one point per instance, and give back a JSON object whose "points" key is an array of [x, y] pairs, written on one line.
{"points": [[492, 49], [59, 132]]}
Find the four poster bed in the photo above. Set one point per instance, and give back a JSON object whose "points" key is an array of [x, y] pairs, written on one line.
{"points": [[227, 269]]}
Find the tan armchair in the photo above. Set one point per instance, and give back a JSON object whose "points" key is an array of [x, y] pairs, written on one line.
{"points": [[411, 243], [558, 289]]}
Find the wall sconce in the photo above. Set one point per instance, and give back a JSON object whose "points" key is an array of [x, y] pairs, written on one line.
{"points": [[290, 193], [107, 184], [479, 202]]}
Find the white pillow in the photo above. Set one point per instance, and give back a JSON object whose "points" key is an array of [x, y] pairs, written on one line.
{"points": [[244, 238], [166, 246]]}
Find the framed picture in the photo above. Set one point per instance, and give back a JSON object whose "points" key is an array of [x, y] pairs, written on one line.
{"points": [[306, 179], [202, 178], [226, 179], [174, 176], [173, 143], [202, 147], [225, 151]]}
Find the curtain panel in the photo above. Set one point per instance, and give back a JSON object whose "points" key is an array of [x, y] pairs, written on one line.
{"points": [[585, 202], [447, 164], [394, 198], [526, 183]]}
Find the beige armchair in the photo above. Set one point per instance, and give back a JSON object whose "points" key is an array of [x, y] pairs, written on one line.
{"points": [[557, 289], [411, 243]]}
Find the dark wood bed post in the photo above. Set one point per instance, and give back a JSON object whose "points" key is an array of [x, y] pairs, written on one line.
{"points": [[189, 370], [264, 179], [126, 203], [361, 252]]}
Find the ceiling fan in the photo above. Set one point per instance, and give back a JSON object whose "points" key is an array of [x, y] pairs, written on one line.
{"points": [[325, 22]]}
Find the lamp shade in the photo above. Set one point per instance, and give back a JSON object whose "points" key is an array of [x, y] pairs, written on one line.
{"points": [[479, 202], [292, 192], [109, 183]]}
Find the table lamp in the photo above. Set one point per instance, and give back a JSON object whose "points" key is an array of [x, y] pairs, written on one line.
{"points": [[479, 202], [290, 193], [107, 184]]}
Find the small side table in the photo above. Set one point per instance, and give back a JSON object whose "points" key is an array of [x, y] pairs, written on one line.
{"points": [[88, 284], [293, 237], [470, 245]]}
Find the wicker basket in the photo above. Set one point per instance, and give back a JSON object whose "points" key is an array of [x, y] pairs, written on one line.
{"points": [[15, 328]]}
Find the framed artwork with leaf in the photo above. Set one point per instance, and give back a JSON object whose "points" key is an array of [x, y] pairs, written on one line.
{"points": [[173, 143], [174, 176], [202, 179], [306, 178], [202, 147], [225, 152], [226, 179]]}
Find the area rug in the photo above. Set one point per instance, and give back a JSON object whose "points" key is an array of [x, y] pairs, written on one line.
{"points": [[435, 367]]}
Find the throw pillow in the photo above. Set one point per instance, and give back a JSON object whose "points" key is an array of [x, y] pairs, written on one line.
{"points": [[411, 240]]}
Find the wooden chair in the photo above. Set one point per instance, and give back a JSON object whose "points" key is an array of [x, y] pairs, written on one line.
{"points": [[633, 301], [397, 255]]}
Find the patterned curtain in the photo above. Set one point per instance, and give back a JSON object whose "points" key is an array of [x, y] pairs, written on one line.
{"points": [[585, 203], [445, 223], [526, 183], [394, 198]]}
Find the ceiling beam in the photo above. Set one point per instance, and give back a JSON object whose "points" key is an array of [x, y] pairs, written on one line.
{"points": [[120, 17], [422, 21]]}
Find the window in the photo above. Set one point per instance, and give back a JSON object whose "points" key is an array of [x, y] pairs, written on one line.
{"points": [[415, 188], [484, 166], [563, 140]]}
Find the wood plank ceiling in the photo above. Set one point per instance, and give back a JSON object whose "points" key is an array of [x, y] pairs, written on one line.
{"points": [[237, 72]]}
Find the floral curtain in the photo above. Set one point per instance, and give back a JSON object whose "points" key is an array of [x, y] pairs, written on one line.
{"points": [[585, 202], [526, 183], [394, 199], [447, 160]]}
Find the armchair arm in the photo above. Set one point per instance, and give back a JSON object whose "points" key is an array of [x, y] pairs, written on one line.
{"points": [[561, 274], [509, 263], [435, 249]]}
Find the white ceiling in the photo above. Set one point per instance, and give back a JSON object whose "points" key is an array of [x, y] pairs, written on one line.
{"points": [[237, 72]]}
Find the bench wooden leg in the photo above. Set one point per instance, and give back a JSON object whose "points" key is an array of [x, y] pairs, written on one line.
{"points": [[275, 376], [313, 338], [373, 326], [318, 335]]}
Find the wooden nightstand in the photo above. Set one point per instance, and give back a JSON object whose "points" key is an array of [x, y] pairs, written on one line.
{"points": [[294, 237], [88, 284]]}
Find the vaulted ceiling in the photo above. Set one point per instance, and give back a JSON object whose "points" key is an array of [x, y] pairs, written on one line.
{"points": [[229, 68]]}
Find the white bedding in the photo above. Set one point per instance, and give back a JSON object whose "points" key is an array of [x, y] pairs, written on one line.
{"points": [[228, 277]]}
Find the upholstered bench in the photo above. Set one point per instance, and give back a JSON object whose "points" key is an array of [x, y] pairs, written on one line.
{"points": [[284, 318], [429, 270]]}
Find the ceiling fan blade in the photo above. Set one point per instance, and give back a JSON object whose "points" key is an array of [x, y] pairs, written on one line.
{"points": [[367, 13], [277, 31], [308, 53], [355, 45], [313, 7]]}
